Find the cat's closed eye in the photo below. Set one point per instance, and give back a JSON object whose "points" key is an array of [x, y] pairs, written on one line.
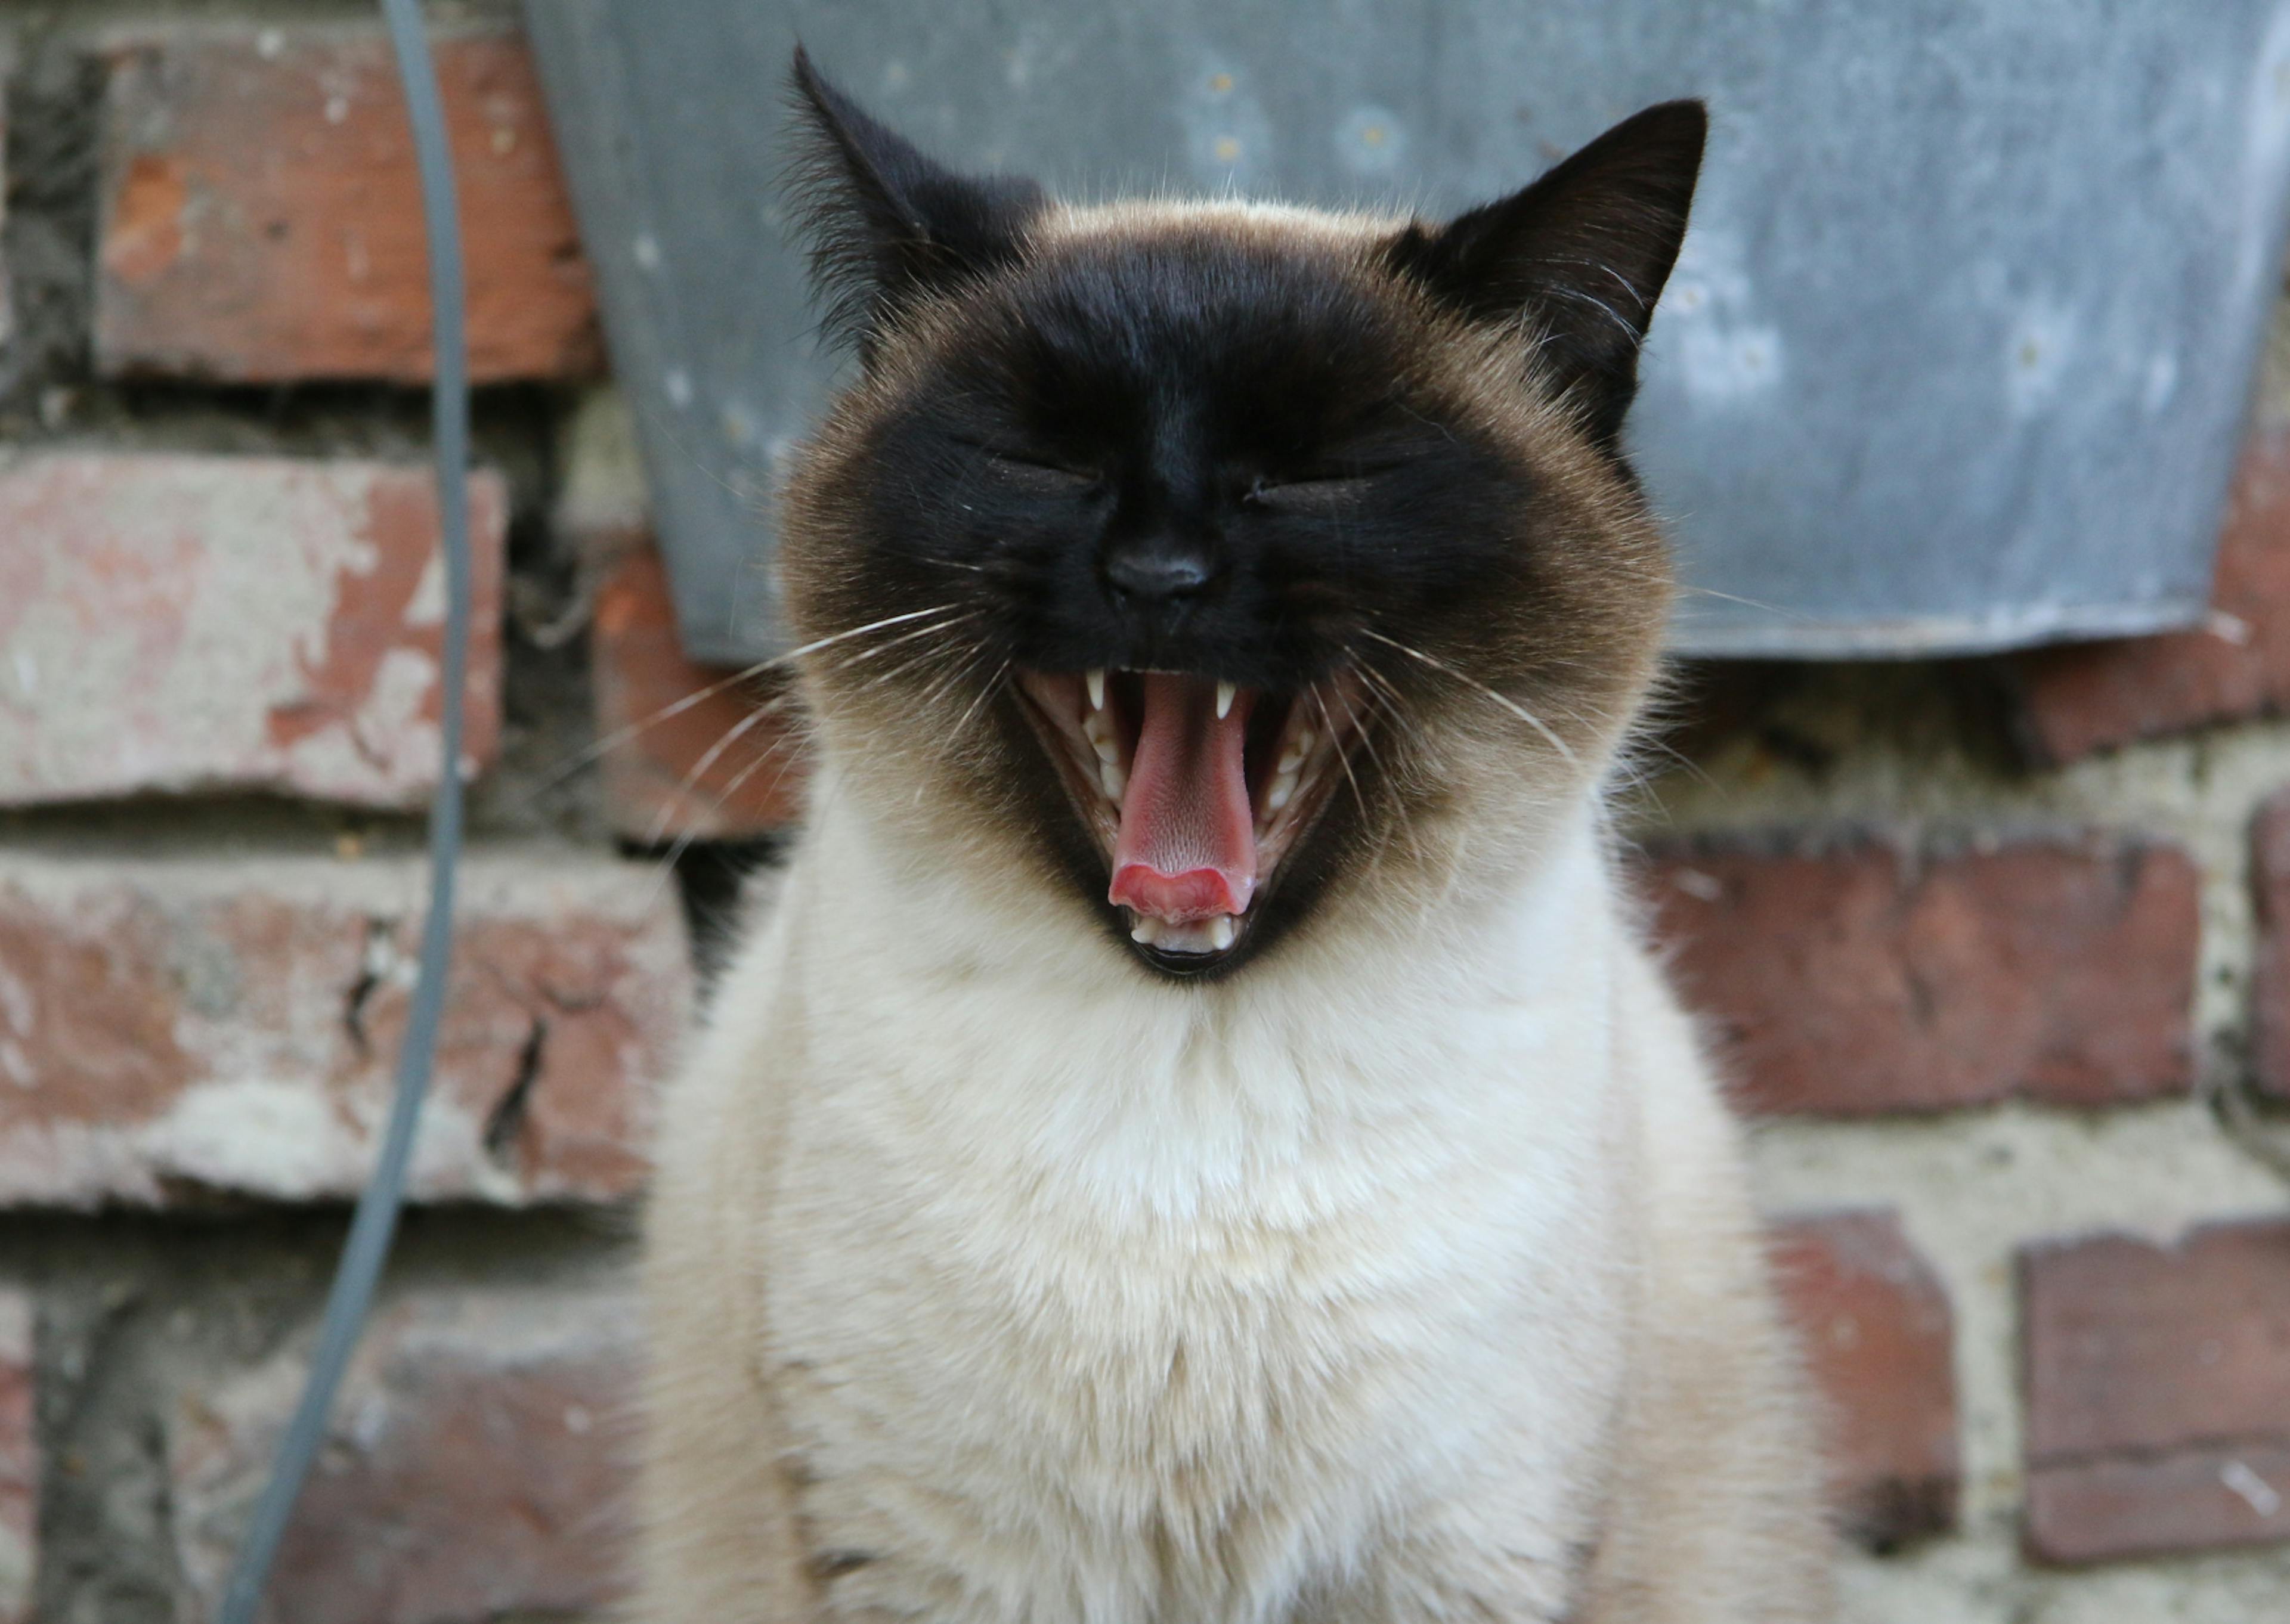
{"points": [[1039, 473], [1308, 493]]}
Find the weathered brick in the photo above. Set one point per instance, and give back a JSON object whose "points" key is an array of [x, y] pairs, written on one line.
{"points": [[2157, 1392], [2270, 977], [176, 622], [1875, 1326], [603, 503], [477, 1468], [1855, 981], [2076, 699], [260, 215], [725, 765], [174, 1026], [19, 1461]]}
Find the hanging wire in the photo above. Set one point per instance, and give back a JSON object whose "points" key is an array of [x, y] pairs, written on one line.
{"points": [[376, 1220]]}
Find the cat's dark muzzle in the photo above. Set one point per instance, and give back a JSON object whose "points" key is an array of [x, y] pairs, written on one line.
{"points": [[1195, 791]]}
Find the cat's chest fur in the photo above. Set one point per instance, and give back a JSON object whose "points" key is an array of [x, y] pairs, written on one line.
{"points": [[1237, 1277]]}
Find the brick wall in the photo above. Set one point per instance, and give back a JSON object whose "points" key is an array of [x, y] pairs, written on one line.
{"points": [[1992, 950]]}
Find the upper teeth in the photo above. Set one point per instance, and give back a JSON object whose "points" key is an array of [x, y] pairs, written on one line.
{"points": [[1095, 678], [1099, 732], [1225, 691]]}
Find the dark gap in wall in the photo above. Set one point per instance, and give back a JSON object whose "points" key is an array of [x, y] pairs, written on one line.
{"points": [[1805, 717], [48, 244], [361, 990], [507, 1119]]}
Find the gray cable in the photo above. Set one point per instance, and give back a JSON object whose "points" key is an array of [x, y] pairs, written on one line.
{"points": [[368, 1245]]}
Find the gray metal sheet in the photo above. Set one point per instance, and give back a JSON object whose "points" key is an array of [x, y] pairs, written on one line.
{"points": [[1954, 357]]}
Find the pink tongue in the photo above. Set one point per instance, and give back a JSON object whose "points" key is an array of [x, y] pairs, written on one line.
{"points": [[1186, 850]]}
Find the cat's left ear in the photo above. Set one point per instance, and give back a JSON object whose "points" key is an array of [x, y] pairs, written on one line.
{"points": [[887, 225], [1582, 253]]}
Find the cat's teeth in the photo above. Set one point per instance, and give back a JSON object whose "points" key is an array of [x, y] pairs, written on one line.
{"points": [[1116, 781], [1198, 936], [1098, 729], [1293, 753], [1225, 691], [1284, 788], [1095, 678]]}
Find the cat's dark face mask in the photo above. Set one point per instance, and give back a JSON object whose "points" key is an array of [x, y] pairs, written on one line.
{"points": [[1212, 556]]}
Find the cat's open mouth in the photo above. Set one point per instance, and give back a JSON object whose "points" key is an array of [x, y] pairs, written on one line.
{"points": [[1194, 790]]}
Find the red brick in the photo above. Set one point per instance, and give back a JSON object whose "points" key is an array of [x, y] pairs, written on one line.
{"points": [[260, 215], [19, 1461], [1878, 1332], [716, 768], [1853, 981], [2073, 699], [2270, 977], [2157, 1392], [194, 622], [477, 1468], [2115, 1508], [169, 1027]]}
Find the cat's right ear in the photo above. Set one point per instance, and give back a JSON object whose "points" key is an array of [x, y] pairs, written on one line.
{"points": [[887, 225]]}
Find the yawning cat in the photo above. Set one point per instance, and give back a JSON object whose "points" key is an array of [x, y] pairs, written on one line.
{"points": [[1198, 1138]]}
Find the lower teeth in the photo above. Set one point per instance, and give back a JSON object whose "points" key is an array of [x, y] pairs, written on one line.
{"points": [[1213, 935]]}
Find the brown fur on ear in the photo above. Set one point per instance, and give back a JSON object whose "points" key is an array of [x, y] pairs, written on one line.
{"points": [[887, 224], [1582, 252]]}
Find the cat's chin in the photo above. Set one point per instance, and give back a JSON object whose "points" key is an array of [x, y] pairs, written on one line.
{"points": [[1196, 793]]}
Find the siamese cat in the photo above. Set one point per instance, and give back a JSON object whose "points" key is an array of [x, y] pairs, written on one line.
{"points": [[1200, 1138]]}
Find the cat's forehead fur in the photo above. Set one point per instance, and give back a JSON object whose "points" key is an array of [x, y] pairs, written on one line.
{"points": [[1488, 372]]}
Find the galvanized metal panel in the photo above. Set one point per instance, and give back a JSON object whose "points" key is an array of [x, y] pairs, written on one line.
{"points": [[1954, 358]]}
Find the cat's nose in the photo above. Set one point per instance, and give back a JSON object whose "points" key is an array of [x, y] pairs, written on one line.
{"points": [[1158, 574]]}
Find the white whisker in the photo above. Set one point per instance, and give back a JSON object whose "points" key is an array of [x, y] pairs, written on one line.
{"points": [[683, 841], [1343, 756], [623, 734], [732, 735], [1510, 705], [1390, 782], [962, 723], [845, 662], [1747, 602]]}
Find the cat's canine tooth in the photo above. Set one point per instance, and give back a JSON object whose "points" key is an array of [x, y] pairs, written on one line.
{"points": [[1221, 931], [1099, 730], [1116, 781], [1283, 790], [1225, 691], [1095, 679], [1144, 930]]}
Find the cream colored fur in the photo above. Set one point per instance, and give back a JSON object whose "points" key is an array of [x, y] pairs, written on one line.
{"points": [[1407, 1274]]}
